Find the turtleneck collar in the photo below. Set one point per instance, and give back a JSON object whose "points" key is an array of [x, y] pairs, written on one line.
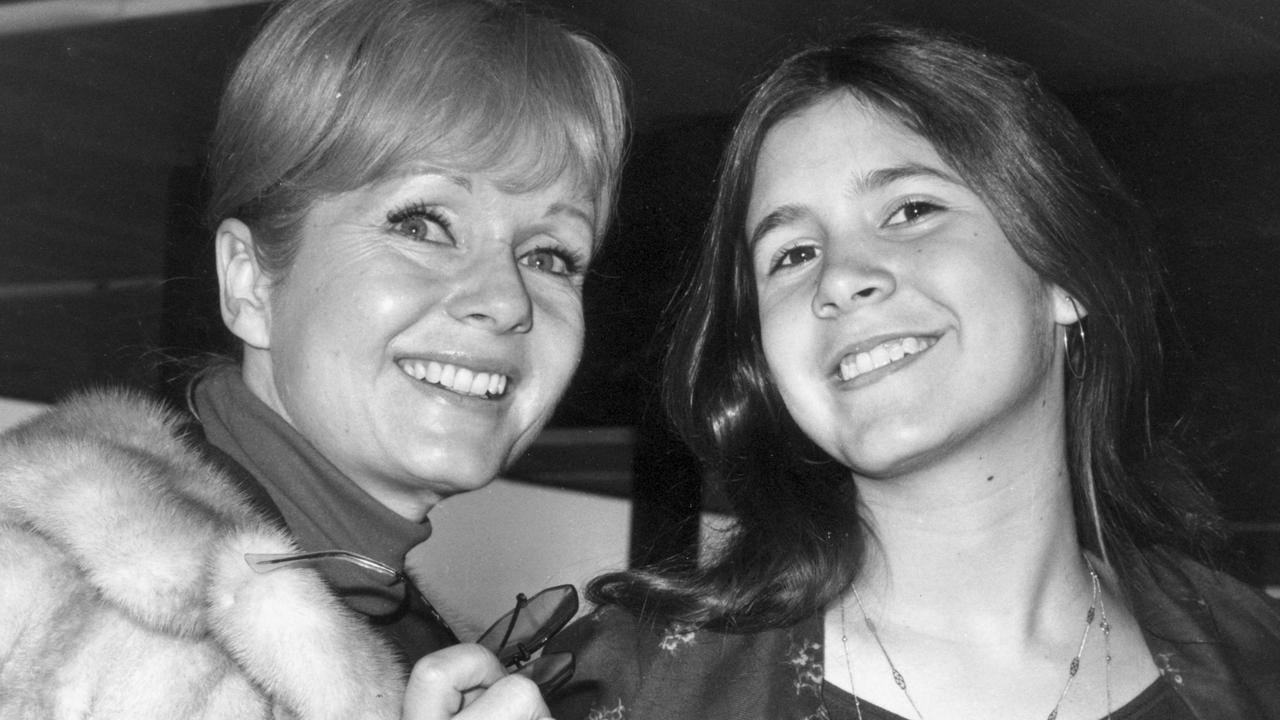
{"points": [[323, 508]]}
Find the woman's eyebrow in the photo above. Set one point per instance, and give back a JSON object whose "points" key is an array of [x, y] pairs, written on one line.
{"points": [[426, 169], [572, 210]]}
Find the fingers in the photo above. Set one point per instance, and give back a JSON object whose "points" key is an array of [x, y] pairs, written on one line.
{"points": [[444, 681], [514, 697], [467, 682]]}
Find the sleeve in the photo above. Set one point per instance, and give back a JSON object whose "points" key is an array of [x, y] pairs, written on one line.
{"points": [[610, 657], [634, 669]]}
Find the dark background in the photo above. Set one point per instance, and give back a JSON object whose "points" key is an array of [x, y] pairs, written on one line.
{"points": [[104, 267]]}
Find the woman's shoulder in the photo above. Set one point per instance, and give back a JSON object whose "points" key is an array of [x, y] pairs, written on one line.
{"points": [[124, 548], [123, 448]]}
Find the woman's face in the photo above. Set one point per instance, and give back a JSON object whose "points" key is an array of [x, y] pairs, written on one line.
{"points": [[897, 321], [426, 329]]}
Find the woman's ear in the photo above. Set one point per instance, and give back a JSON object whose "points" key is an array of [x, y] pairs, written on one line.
{"points": [[1067, 310], [244, 287]]}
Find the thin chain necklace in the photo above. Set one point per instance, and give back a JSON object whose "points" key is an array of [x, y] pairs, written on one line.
{"points": [[1096, 605]]}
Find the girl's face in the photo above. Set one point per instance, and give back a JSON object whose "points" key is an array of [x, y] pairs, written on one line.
{"points": [[897, 321], [426, 329]]}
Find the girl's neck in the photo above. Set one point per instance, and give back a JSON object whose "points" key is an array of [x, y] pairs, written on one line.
{"points": [[987, 545]]}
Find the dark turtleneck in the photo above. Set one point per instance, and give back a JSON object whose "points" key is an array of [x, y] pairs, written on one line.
{"points": [[322, 507]]}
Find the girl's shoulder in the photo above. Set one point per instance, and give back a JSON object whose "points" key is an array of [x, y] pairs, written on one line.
{"points": [[1216, 637], [631, 668], [1190, 594]]}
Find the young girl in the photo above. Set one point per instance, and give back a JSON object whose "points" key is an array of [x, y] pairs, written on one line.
{"points": [[917, 349]]}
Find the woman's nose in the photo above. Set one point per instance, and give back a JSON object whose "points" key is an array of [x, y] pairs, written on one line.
{"points": [[494, 295], [851, 277]]}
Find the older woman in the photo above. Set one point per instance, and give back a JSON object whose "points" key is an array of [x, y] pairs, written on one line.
{"points": [[407, 194], [919, 348]]}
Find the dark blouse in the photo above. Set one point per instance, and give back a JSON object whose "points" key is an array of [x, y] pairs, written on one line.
{"points": [[1215, 641], [1157, 702]]}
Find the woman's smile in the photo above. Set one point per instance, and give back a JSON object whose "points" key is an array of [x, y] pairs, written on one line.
{"points": [[446, 282], [457, 379]]}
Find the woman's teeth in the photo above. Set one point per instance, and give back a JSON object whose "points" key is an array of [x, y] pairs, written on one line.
{"points": [[458, 379], [851, 366]]}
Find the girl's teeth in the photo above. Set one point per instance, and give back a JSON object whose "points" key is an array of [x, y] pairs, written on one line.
{"points": [[463, 381], [852, 366]]}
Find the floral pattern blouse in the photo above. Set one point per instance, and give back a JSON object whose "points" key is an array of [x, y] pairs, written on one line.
{"points": [[1214, 639]]}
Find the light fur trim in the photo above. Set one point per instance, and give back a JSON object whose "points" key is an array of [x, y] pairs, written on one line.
{"points": [[128, 547]]}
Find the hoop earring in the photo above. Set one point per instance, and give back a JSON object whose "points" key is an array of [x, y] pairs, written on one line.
{"points": [[1080, 366]]}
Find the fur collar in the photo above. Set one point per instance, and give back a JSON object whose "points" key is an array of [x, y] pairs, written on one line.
{"points": [[106, 510]]}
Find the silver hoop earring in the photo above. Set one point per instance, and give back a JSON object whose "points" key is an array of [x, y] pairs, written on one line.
{"points": [[1077, 363]]}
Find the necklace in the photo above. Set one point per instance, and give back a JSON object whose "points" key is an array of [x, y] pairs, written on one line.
{"points": [[1097, 608]]}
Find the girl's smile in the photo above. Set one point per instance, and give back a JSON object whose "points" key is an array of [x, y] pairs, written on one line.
{"points": [[897, 320]]}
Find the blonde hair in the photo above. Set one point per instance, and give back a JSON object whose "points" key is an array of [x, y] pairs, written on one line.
{"points": [[335, 94]]}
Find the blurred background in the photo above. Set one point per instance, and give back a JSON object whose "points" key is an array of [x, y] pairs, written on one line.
{"points": [[105, 272]]}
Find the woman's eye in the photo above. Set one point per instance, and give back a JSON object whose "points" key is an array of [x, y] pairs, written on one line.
{"points": [[423, 224], [911, 211], [793, 256], [551, 260]]}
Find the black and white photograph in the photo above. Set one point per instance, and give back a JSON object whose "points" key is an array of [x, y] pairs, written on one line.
{"points": [[640, 359]]}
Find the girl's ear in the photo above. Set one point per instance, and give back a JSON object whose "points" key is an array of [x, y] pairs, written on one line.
{"points": [[244, 287], [1067, 310]]}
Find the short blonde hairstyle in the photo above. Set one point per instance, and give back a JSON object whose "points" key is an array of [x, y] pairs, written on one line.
{"points": [[335, 94]]}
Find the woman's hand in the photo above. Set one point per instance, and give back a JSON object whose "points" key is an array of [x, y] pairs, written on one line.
{"points": [[466, 682]]}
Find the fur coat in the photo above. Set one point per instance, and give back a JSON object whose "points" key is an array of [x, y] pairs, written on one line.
{"points": [[124, 592]]}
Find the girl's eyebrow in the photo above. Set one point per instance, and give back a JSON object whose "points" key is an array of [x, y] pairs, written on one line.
{"points": [[879, 179], [782, 215], [859, 184]]}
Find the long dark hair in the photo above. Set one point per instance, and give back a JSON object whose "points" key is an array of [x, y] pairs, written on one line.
{"points": [[798, 542]]}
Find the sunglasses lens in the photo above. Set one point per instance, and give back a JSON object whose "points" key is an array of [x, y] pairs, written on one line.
{"points": [[523, 630], [549, 671]]}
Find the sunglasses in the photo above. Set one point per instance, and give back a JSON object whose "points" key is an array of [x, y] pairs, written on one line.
{"points": [[514, 638]]}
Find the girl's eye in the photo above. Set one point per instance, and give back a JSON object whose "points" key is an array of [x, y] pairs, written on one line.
{"points": [[421, 223], [555, 261], [792, 256], [911, 211]]}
